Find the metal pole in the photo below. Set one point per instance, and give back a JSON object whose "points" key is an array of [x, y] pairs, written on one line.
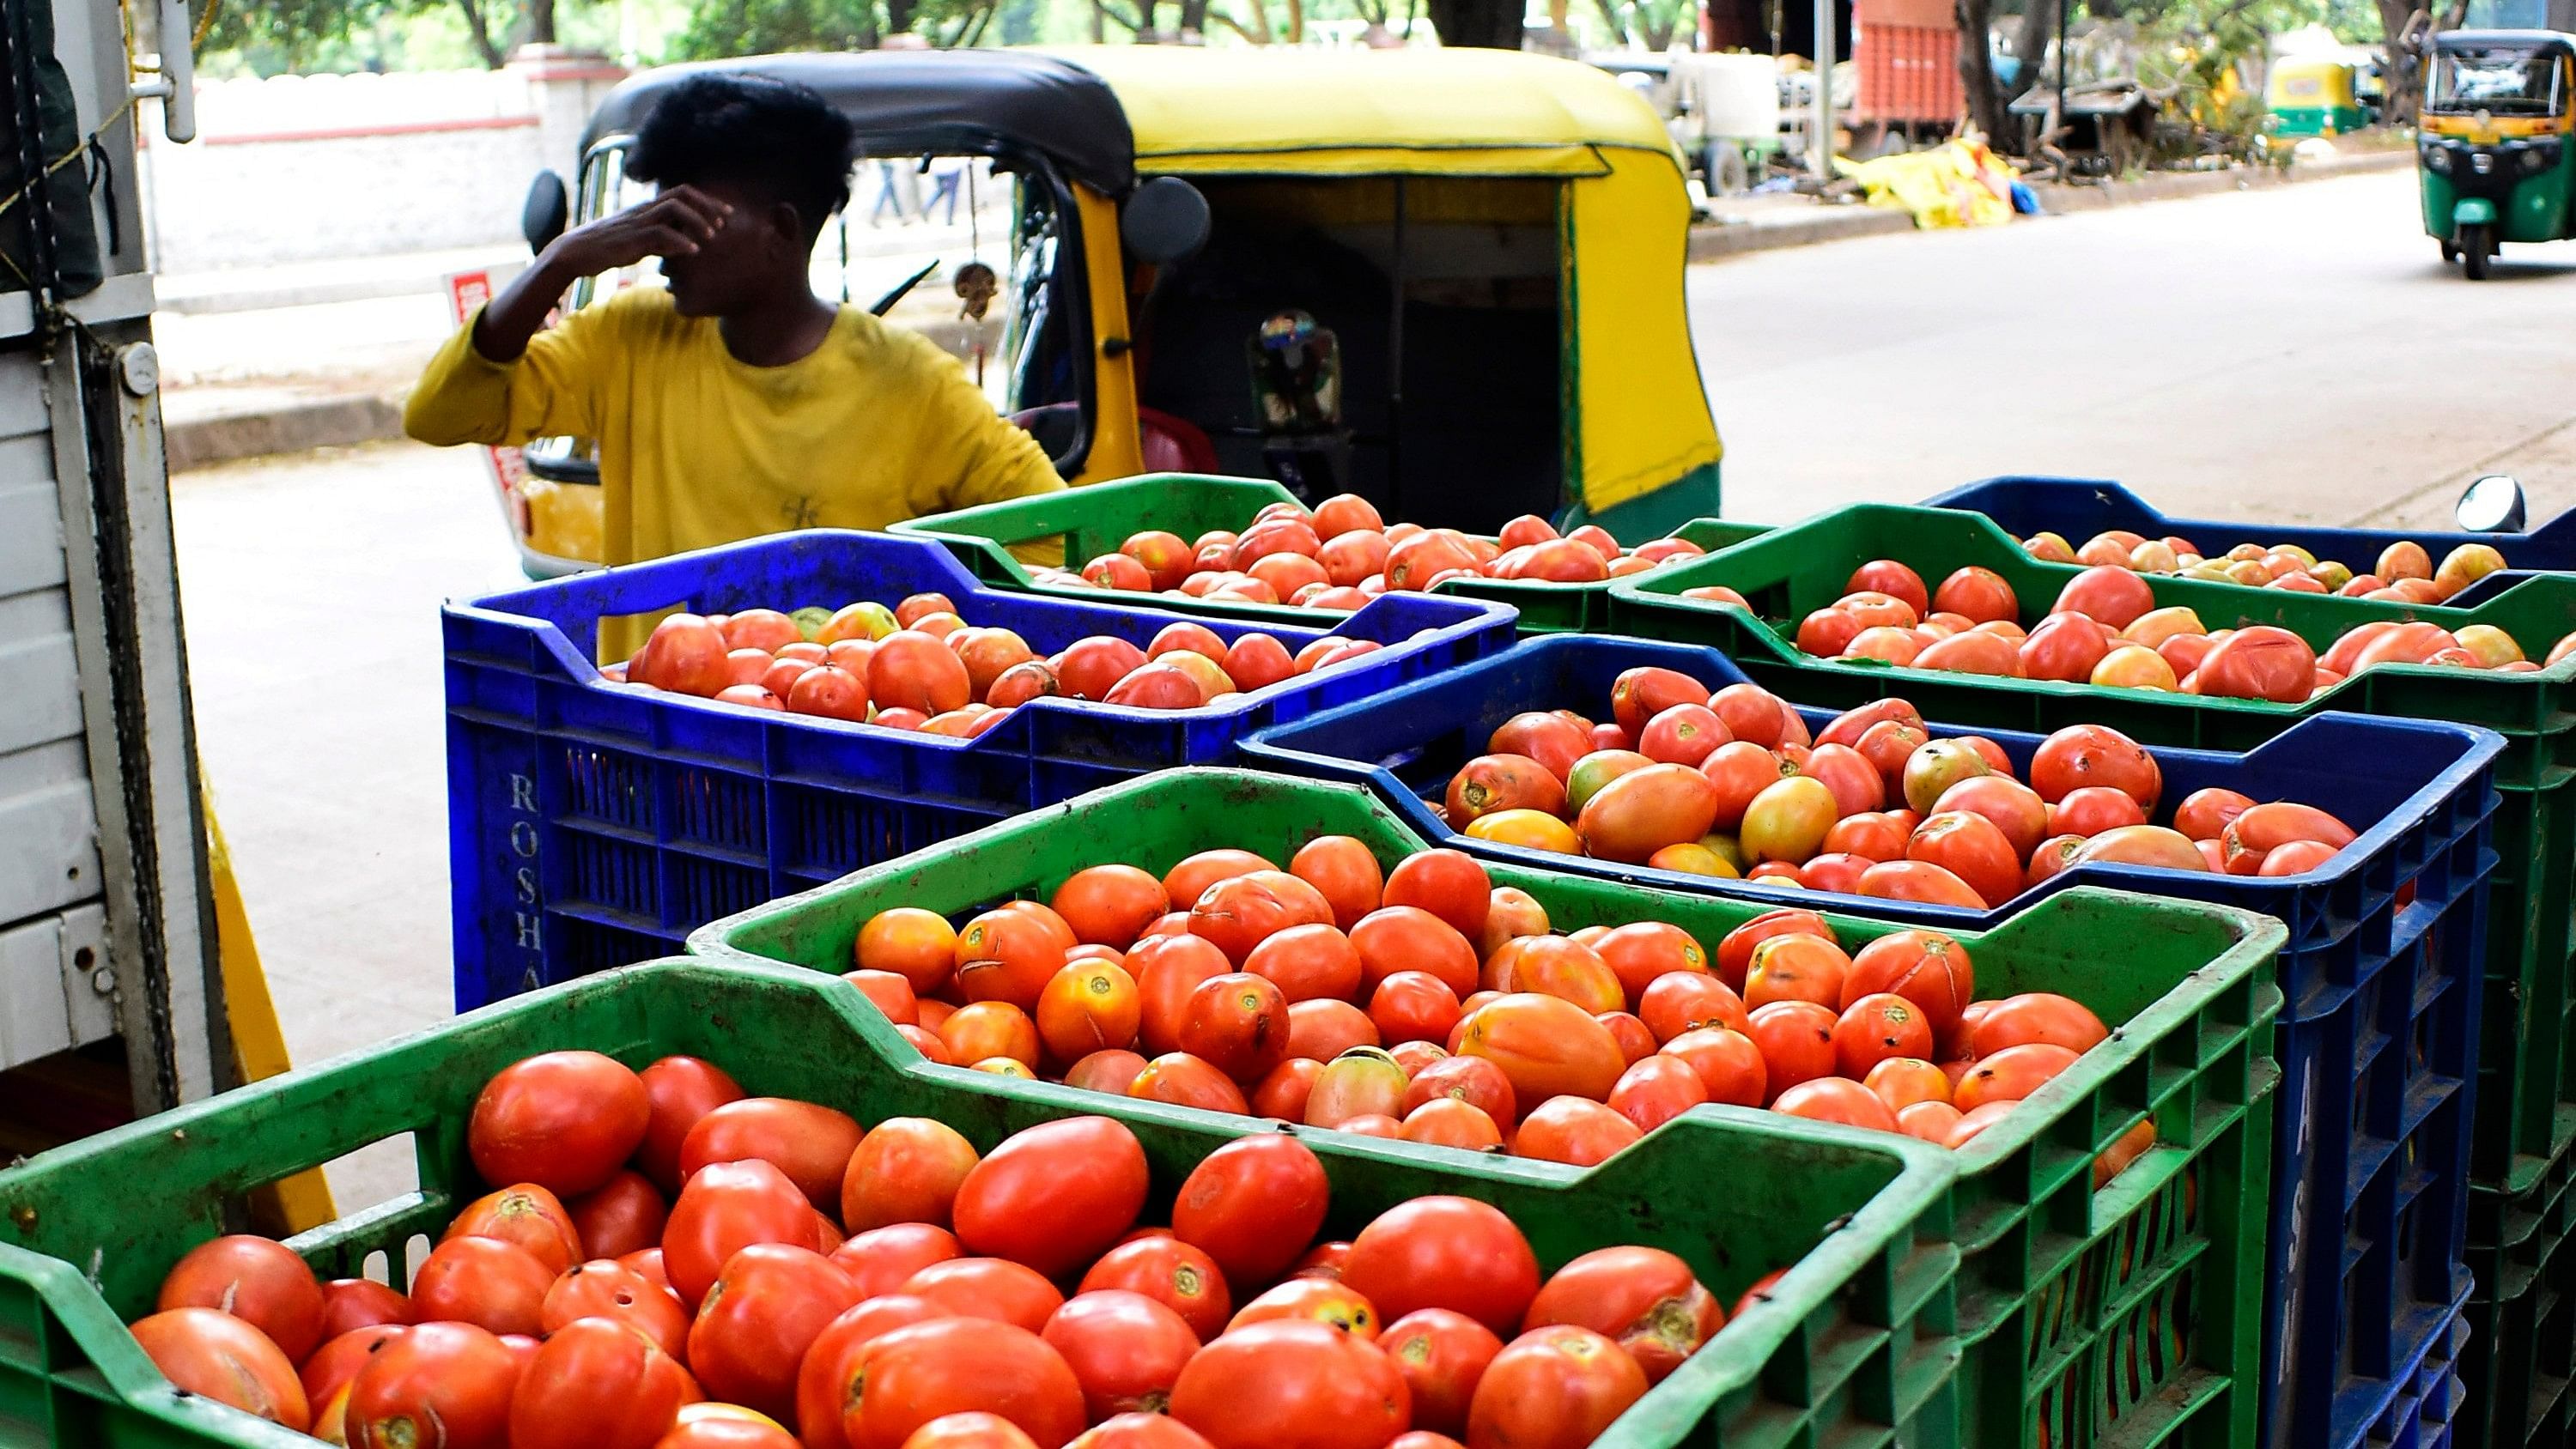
{"points": [[1820, 142]]}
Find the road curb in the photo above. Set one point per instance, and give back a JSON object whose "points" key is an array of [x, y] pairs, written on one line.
{"points": [[296, 427], [1716, 241]]}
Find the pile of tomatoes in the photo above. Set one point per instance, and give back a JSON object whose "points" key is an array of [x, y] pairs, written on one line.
{"points": [[2404, 572], [919, 666], [1431, 1006], [675, 1265], [1729, 785], [1342, 554], [2106, 628]]}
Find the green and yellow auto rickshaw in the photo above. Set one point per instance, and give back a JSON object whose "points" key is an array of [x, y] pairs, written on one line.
{"points": [[2308, 96], [1448, 280], [2495, 150]]}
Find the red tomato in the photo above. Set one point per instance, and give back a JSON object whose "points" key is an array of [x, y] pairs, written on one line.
{"points": [[1974, 849], [2036, 1016], [209, 1352], [1917, 880], [1173, 1273], [1413, 1006], [625, 1215], [1473, 1080], [1143, 1431], [1682, 1001], [1926, 968], [1447, 883], [1546, 1046], [2205, 814], [593, 1385], [1054, 1196], [679, 1091], [2064, 647], [992, 1288], [724, 1208], [486, 1282], [2094, 809], [2082, 755], [1253, 1205], [809, 1143], [904, 1170], [1317, 1300], [2007, 1076], [1185, 1081], [257, 1280], [1836, 1099], [1293, 1385], [2015, 809], [1876, 1028], [2111, 597], [1797, 1043], [1573, 1131], [1728, 1063], [1555, 1387], [1448, 1122], [1887, 576], [971, 1430], [565, 1121], [1445, 1252], [822, 1380], [1126, 1349], [606, 1288], [1644, 1299], [913, 1375], [763, 1312], [1735, 951], [1657, 1089], [349, 1304], [329, 1369], [882, 1260], [446, 1384], [1795, 968], [2260, 662], [1441, 1355]]}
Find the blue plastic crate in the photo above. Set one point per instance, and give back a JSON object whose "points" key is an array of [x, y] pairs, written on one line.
{"points": [[2075, 509], [593, 825], [2382, 976], [2425, 1411]]}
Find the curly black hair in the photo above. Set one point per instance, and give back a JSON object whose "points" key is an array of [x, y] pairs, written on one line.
{"points": [[771, 136]]}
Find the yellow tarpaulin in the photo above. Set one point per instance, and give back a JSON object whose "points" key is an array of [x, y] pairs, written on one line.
{"points": [[1959, 183]]}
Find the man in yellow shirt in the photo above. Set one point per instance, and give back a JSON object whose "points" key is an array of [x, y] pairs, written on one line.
{"points": [[736, 403]]}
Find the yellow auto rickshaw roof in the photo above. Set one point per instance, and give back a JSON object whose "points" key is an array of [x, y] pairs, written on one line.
{"points": [[1265, 108]]}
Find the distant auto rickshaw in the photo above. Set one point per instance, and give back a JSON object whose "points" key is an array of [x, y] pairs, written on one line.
{"points": [[2312, 97], [2495, 150], [1449, 281]]}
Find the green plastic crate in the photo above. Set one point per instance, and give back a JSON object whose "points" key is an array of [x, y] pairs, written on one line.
{"points": [[2101, 1314], [1098, 517], [2521, 1356], [1855, 1337], [2526, 1097]]}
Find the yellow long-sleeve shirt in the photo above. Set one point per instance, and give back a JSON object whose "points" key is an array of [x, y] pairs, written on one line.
{"points": [[697, 448]]}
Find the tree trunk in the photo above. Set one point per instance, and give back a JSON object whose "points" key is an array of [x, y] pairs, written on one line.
{"points": [[1483, 24], [900, 14], [1610, 16], [1193, 18], [541, 22], [1296, 22], [1985, 95], [480, 34]]}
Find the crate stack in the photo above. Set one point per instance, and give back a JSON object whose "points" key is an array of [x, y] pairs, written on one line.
{"points": [[2348, 1230]]}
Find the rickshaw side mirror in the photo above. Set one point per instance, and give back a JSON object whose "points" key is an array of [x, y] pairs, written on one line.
{"points": [[1164, 221], [548, 209], [2492, 504]]}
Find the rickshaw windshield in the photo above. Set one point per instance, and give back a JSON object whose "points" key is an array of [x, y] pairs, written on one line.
{"points": [[2506, 81]]}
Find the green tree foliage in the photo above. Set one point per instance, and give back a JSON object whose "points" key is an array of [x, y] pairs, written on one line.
{"points": [[721, 28]]}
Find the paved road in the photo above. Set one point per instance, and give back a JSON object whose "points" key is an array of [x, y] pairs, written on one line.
{"points": [[2224, 355], [2298, 353]]}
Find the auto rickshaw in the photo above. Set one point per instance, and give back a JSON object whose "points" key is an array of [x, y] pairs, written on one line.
{"points": [[2495, 153], [1448, 280], [2312, 97]]}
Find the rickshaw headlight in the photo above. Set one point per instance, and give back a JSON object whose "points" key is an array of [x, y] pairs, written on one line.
{"points": [[2537, 157], [2438, 157]]}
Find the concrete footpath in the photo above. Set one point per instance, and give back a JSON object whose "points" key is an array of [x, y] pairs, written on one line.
{"points": [[289, 359]]}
